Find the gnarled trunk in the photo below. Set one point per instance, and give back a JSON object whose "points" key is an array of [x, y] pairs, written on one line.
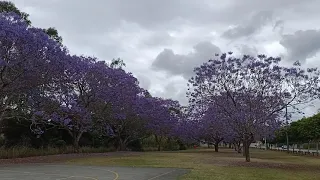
{"points": [[217, 140], [122, 145], [158, 141], [75, 139], [237, 147], [216, 147], [246, 145], [76, 147]]}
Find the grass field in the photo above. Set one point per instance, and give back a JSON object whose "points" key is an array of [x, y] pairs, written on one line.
{"points": [[205, 164]]}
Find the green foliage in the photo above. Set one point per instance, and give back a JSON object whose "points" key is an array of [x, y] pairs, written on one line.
{"points": [[117, 63], [135, 145], [53, 33], [168, 144], [182, 146], [61, 144], [303, 130], [171, 145]]}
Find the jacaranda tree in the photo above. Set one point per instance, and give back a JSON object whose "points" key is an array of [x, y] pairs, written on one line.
{"points": [[250, 93], [74, 94], [29, 59], [161, 117], [214, 128]]}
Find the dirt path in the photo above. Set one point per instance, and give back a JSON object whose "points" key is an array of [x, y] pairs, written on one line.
{"points": [[63, 157]]}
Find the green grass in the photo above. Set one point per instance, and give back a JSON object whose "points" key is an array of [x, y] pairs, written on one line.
{"points": [[20, 152], [225, 165]]}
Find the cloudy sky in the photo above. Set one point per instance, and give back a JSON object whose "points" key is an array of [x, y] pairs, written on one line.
{"points": [[161, 41]]}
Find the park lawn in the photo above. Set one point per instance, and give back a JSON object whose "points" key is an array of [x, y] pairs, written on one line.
{"points": [[205, 164]]}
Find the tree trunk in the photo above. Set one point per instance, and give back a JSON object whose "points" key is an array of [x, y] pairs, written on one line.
{"points": [[293, 148], [317, 147], [216, 147], [122, 145], [246, 145], [237, 147], [247, 153], [244, 149], [75, 145], [158, 141], [287, 138], [230, 145], [76, 139]]}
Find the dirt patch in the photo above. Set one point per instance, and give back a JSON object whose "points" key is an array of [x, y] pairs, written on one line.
{"points": [[63, 157]]}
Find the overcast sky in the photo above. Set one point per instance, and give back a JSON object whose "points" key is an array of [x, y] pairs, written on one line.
{"points": [[161, 41]]}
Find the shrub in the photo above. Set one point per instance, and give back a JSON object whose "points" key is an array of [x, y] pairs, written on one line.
{"points": [[61, 144], [135, 145]]}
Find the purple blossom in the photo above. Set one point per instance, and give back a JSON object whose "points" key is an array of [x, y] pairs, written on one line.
{"points": [[247, 95]]}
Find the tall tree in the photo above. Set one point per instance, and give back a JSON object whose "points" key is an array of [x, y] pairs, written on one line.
{"points": [[29, 59], [161, 116], [252, 92], [214, 127]]}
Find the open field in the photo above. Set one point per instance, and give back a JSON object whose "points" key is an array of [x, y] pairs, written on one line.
{"points": [[205, 164]]}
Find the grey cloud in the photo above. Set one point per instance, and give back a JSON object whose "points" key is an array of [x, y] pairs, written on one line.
{"points": [[104, 15], [302, 44], [279, 25], [254, 25], [175, 90], [144, 81], [178, 64], [157, 39], [308, 110], [245, 6], [247, 50]]}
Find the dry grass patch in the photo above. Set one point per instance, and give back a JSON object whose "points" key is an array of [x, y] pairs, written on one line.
{"points": [[205, 164]]}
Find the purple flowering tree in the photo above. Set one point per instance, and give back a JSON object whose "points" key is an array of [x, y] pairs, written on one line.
{"points": [[66, 101], [251, 92], [29, 60], [214, 128], [161, 116], [117, 97]]}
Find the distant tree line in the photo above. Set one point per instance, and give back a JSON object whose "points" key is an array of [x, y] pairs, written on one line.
{"points": [[305, 130]]}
